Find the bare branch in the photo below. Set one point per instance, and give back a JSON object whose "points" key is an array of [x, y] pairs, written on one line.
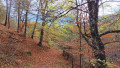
{"points": [[107, 32], [87, 40], [108, 1], [65, 13]]}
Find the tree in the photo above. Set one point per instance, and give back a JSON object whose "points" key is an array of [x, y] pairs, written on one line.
{"points": [[18, 15], [97, 45], [36, 21], [19, 9], [96, 42], [46, 13], [6, 19], [2, 13], [94, 38], [8, 9], [79, 26], [43, 19], [27, 6], [9, 14]]}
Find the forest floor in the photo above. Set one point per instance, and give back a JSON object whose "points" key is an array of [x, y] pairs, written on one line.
{"points": [[18, 52]]}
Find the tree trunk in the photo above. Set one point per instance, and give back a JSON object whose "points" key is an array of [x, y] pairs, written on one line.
{"points": [[18, 16], [35, 23], [42, 33], [80, 37], [6, 20], [34, 28], [21, 20], [25, 23], [43, 23], [99, 50], [9, 14]]}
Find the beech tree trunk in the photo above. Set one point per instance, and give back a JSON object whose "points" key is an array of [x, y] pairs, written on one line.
{"points": [[34, 28], [43, 23], [25, 23], [35, 22], [9, 14], [6, 20], [42, 33], [99, 50], [18, 16]]}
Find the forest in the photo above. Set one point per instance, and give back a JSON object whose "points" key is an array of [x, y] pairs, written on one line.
{"points": [[59, 33]]}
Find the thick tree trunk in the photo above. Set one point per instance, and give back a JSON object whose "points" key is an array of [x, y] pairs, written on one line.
{"points": [[25, 23], [99, 50], [6, 20]]}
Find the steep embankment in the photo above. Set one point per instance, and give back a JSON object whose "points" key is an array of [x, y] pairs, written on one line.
{"points": [[17, 52]]}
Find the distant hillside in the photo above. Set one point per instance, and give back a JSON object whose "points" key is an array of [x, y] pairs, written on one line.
{"points": [[110, 17], [109, 22]]}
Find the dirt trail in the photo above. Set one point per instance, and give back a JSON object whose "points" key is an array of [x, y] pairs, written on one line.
{"points": [[18, 52]]}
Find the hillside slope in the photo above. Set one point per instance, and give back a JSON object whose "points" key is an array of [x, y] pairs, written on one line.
{"points": [[17, 52]]}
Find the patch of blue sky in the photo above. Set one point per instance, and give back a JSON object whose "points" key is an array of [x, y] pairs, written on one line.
{"points": [[112, 8]]}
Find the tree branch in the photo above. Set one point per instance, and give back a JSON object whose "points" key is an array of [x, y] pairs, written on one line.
{"points": [[87, 40], [64, 13], [107, 32], [108, 1], [110, 42]]}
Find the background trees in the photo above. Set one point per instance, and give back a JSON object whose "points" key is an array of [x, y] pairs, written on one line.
{"points": [[2, 13], [8, 12], [6, 20]]}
